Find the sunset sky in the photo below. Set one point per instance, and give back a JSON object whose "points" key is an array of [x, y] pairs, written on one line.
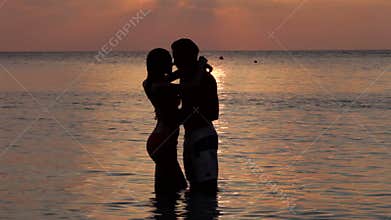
{"points": [[55, 25]]}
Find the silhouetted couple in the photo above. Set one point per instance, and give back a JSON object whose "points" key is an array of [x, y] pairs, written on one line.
{"points": [[197, 95]]}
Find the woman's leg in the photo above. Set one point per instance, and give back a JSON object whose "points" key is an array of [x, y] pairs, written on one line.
{"points": [[162, 147], [169, 178]]}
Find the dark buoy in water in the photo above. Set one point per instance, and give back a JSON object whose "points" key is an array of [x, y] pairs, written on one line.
{"points": [[255, 61], [221, 58]]}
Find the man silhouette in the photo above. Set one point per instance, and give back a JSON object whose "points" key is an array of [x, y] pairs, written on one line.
{"points": [[200, 106]]}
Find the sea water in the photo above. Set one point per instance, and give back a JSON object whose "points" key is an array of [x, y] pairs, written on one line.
{"points": [[302, 135]]}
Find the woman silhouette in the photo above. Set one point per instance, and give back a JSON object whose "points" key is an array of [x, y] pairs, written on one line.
{"points": [[162, 143]]}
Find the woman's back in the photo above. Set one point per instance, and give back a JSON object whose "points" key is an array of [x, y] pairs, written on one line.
{"points": [[165, 99]]}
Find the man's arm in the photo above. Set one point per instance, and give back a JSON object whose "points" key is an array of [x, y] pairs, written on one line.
{"points": [[212, 103]]}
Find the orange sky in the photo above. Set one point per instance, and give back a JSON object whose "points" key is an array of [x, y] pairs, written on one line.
{"points": [[53, 25]]}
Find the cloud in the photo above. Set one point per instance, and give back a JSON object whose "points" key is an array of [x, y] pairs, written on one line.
{"points": [[215, 24]]}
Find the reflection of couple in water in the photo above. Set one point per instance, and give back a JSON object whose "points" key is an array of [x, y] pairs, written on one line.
{"points": [[197, 95]]}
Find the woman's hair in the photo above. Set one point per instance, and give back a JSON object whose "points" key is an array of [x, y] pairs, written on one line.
{"points": [[159, 62]]}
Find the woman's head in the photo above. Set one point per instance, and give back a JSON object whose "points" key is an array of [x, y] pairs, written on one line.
{"points": [[159, 63]]}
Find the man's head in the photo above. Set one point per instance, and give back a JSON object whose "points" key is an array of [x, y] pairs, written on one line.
{"points": [[185, 53]]}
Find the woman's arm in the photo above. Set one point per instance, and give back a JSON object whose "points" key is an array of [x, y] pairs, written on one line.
{"points": [[173, 76]]}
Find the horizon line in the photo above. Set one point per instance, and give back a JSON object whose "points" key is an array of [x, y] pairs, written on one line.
{"points": [[209, 50]]}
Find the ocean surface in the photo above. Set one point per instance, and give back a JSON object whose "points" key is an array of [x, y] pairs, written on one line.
{"points": [[303, 135]]}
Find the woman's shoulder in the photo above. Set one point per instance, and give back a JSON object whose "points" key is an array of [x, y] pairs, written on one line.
{"points": [[146, 85], [160, 88], [145, 82], [164, 87], [152, 86]]}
